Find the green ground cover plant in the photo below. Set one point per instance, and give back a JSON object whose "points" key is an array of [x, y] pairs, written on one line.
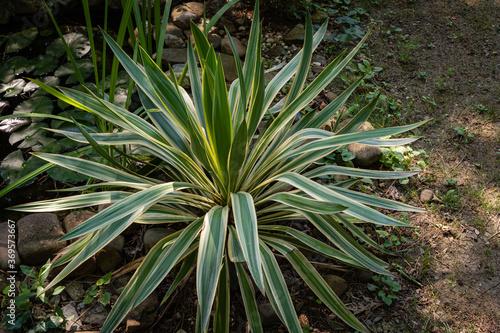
{"points": [[225, 181]]}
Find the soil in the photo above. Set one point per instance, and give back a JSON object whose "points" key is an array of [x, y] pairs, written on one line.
{"points": [[450, 264]]}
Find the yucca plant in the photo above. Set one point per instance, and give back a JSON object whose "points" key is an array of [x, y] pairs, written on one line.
{"points": [[228, 196]]}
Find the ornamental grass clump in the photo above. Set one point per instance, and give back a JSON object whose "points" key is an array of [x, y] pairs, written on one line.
{"points": [[228, 179]]}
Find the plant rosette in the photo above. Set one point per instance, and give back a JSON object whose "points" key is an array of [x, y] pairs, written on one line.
{"points": [[226, 195]]}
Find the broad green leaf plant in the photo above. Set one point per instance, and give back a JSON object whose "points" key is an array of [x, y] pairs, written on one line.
{"points": [[234, 179]]}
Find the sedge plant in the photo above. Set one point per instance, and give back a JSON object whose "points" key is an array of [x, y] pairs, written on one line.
{"points": [[233, 180]]}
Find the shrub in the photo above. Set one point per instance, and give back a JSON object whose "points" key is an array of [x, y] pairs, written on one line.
{"points": [[226, 194]]}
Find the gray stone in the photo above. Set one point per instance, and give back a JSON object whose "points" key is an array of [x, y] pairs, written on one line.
{"points": [[426, 195], [365, 275], [320, 59], [331, 96], [267, 315], [73, 324], [276, 51], [74, 219], [183, 20], [215, 40], [174, 56], [195, 7], [186, 83], [174, 30], [338, 284], [229, 65], [144, 315], [225, 47], [121, 281], [3, 281], [6, 258], [296, 35], [154, 235], [225, 23], [174, 41], [26, 7], [116, 244], [96, 315], [365, 155], [75, 291], [108, 259], [38, 236]]}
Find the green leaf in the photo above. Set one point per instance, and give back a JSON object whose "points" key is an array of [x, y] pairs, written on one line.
{"points": [[86, 69], [222, 304], [12, 88], [36, 105], [212, 242], [314, 206], [276, 290], [309, 274], [20, 40], [77, 42], [245, 219], [248, 296], [44, 64], [157, 264]]}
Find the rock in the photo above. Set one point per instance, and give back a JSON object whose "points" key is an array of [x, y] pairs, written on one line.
{"points": [[174, 56], [215, 40], [108, 259], [95, 315], [75, 291], [89, 266], [267, 315], [3, 281], [296, 35], [6, 258], [75, 323], [319, 17], [183, 21], [195, 7], [174, 30], [186, 83], [26, 7], [74, 219], [144, 315], [426, 195], [154, 235], [365, 276], [225, 23], [38, 236], [116, 244], [174, 41], [276, 51], [229, 65], [121, 281], [225, 47], [365, 155], [338, 284], [321, 59], [331, 96]]}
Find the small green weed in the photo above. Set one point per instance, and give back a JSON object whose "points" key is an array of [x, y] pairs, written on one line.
{"points": [[52, 319], [464, 133], [386, 287], [98, 291], [406, 46]]}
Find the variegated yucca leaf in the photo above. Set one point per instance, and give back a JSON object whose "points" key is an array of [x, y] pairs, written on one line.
{"points": [[232, 187]]}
